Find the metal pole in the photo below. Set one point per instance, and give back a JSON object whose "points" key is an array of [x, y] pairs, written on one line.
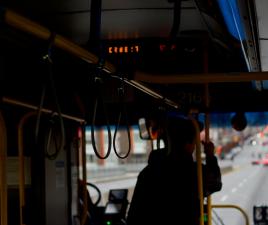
{"points": [[84, 175], [209, 211], [21, 163], [3, 176], [207, 136], [199, 173]]}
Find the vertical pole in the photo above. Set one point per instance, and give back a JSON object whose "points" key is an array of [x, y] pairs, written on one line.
{"points": [[84, 175], [21, 163], [3, 177], [209, 214], [199, 172]]}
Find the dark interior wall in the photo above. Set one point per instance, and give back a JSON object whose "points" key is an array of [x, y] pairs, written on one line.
{"points": [[18, 119]]}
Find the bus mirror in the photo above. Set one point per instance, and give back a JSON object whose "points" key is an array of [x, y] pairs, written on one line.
{"points": [[143, 129]]}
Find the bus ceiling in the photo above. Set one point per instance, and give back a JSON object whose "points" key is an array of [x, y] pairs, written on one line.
{"points": [[141, 39]]}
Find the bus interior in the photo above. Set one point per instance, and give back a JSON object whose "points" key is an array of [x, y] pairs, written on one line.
{"points": [[79, 78]]}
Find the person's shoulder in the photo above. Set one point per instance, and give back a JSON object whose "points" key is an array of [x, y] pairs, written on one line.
{"points": [[157, 156]]}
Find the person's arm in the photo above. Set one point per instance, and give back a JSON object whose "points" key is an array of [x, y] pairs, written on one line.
{"points": [[211, 171]]}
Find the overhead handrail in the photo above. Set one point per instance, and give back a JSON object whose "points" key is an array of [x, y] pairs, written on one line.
{"points": [[148, 91], [235, 207], [22, 23], [33, 107], [195, 78], [3, 176]]}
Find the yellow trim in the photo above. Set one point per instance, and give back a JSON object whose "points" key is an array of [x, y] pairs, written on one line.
{"points": [[235, 207]]}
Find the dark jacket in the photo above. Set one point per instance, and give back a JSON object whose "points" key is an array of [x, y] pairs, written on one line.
{"points": [[166, 190]]}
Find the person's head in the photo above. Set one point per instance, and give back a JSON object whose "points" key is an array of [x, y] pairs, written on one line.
{"points": [[181, 135]]}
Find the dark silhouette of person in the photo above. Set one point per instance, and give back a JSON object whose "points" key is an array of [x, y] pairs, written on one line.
{"points": [[166, 191]]}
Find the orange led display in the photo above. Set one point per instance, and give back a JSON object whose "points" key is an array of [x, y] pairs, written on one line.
{"points": [[123, 49]]}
